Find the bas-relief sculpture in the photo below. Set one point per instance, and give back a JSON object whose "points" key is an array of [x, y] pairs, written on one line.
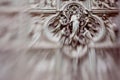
{"points": [[80, 33], [43, 4], [103, 4]]}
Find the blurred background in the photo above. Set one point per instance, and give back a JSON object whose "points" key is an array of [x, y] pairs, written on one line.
{"points": [[18, 62]]}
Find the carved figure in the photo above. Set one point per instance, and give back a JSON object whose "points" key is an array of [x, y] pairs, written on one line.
{"points": [[75, 24], [81, 32], [77, 27], [44, 4], [111, 27], [101, 4], [49, 3]]}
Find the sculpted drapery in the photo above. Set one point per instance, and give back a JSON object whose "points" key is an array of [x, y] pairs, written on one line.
{"points": [[83, 34]]}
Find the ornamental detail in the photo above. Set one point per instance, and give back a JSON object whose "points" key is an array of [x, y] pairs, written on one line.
{"points": [[77, 25]]}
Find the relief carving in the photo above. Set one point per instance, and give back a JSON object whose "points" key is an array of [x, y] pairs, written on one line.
{"points": [[78, 29], [104, 4], [80, 34], [44, 4]]}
